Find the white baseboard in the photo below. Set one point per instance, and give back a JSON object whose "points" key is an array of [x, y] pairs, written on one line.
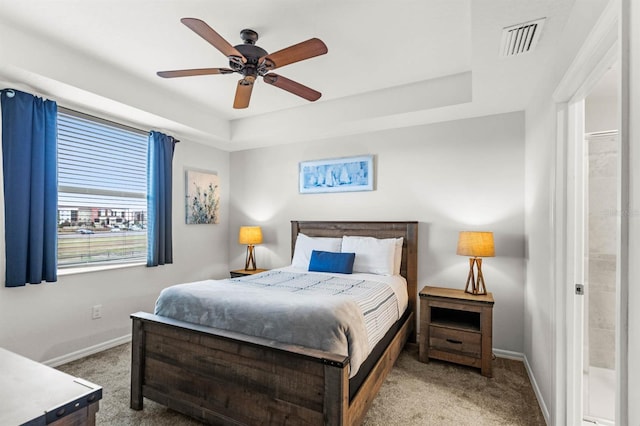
{"points": [[88, 351], [536, 390], [501, 353]]}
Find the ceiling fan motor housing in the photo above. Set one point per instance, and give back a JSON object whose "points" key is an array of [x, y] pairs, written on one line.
{"points": [[251, 52]]}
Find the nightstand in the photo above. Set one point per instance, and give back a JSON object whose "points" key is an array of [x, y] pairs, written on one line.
{"points": [[457, 327], [244, 272]]}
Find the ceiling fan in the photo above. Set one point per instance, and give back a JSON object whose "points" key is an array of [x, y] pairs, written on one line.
{"points": [[253, 61]]}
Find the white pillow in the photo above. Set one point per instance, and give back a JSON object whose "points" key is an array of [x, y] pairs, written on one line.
{"points": [[305, 245], [397, 262], [373, 255]]}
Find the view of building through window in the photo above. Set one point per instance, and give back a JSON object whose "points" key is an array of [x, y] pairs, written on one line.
{"points": [[102, 210]]}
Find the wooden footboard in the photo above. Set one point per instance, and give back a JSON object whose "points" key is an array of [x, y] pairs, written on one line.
{"points": [[222, 377]]}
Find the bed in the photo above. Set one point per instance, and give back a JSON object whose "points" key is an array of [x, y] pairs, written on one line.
{"points": [[225, 377]]}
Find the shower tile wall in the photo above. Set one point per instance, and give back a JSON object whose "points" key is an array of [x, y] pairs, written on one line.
{"points": [[602, 248]]}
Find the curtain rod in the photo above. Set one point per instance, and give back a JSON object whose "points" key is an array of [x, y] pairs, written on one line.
{"points": [[11, 93], [26, 89]]}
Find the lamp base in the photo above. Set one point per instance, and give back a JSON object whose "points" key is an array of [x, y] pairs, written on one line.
{"points": [[250, 260], [477, 284]]}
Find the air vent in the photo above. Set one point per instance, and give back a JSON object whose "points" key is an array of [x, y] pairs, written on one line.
{"points": [[521, 38]]}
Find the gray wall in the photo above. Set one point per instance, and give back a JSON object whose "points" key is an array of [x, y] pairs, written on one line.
{"points": [[540, 319], [452, 176]]}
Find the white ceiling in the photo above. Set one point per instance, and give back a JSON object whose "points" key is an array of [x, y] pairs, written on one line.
{"points": [[385, 62]]}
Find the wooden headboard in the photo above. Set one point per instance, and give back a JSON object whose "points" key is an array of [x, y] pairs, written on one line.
{"points": [[407, 230]]}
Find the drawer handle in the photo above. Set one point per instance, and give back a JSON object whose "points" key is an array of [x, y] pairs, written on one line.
{"points": [[457, 342]]}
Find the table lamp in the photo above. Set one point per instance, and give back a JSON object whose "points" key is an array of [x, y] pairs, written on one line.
{"points": [[476, 245], [250, 235]]}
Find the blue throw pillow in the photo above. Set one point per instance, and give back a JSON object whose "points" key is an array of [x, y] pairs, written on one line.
{"points": [[326, 261]]}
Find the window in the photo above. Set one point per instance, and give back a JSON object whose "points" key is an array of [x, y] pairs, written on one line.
{"points": [[102, 185]]}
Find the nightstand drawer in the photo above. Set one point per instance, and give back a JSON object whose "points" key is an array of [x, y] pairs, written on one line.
{"points": [[463, 342]]}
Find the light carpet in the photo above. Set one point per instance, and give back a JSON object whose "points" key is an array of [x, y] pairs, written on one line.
{"points": [[414, 393]]}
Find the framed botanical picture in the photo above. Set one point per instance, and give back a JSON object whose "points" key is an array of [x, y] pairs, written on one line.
{"points": [[337, 175], [202, 197]]}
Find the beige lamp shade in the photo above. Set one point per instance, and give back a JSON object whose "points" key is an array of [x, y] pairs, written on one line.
{"points": [[475, 244], [250, 235]]}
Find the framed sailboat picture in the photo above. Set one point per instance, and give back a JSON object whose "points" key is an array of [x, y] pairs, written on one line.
{"points": [[337, 175]]}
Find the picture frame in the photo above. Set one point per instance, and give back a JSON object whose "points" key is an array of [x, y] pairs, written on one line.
{"points": [[202, 197], [346, 174]]}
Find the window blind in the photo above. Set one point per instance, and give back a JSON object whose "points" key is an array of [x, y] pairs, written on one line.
{"points": [[102, 185]]}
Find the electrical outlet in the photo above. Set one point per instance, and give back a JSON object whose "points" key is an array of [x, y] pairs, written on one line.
{"points": [[96, 312]]}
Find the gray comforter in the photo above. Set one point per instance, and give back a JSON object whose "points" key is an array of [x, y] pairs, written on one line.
{"points": [[340, 315]]}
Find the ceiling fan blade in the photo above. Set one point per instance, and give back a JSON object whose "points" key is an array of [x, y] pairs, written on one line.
{"points": [[215, 39], [298, 52], [292, 87], [243, 93], [192, 72]]}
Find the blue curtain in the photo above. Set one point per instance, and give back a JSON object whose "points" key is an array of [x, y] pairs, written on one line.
{"points": [[159, 182], [29, 161]]}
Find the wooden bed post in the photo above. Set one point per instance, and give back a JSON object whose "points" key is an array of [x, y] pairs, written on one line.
{"points": [[412, 274], [336, 396], [137, 364]]}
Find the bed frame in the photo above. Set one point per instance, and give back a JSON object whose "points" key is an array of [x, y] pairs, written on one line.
{"points": [[221, 377]]}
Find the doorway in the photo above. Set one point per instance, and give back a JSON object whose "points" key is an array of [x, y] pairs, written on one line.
{"points": [[593, 253], [576, 382], [601, 236]]}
